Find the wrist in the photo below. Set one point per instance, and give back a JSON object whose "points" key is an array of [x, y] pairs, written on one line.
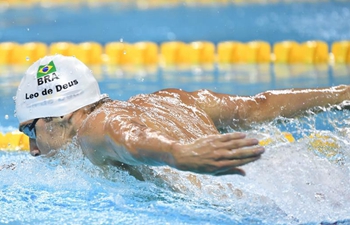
{"points": [[174, 160], [347, 92], [344, 92]]}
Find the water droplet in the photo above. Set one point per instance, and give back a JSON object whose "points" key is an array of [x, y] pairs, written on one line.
{"points": [[6, 117], [27, 29], [124, 52], [27, 58], [121, 40]]}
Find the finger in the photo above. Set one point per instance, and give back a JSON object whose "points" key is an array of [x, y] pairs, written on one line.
{"points": [[235, 144], [231, 171], [230, 136], [225, 154], [228, 154], [245, 153]]}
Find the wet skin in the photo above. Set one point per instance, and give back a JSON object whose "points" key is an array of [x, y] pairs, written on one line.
{"points": [[164, 128], [177, 128], [171, 122]]}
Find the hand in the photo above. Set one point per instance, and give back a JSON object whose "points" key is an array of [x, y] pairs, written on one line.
{"points": [[217, 154]]}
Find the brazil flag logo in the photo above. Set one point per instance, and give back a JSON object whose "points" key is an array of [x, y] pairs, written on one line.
{"points": [[46, 69]]}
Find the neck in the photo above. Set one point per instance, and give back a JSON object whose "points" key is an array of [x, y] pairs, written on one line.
{"points": [[79, 117], [77, 120]]}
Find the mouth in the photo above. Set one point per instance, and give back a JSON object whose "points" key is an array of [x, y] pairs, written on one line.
{"points": [[51, 153], [37, 152]]}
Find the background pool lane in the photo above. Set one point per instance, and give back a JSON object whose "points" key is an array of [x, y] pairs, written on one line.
{"points": [[303, 21]]}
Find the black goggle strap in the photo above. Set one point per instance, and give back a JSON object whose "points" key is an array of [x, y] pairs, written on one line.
{"points": [[31, 127]]}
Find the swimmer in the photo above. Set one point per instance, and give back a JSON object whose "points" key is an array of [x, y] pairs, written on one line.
{"points": [[59, 100]]}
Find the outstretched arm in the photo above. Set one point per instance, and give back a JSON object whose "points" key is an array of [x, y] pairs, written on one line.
{"points": [[216, 154], [228, 109]]}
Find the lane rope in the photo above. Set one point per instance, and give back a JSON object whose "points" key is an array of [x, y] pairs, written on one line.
{"points": [[324, 144]]}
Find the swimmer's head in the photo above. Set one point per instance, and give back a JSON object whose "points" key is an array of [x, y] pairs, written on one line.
{"points": [[55, 86]]}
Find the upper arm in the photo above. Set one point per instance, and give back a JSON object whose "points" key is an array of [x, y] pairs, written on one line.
{"points": [[102, 140], [134, 143], [234, 110], [225, 109], [121, 135]]}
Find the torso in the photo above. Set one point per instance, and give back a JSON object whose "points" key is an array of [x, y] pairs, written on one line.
{"points": [[171, 112]]}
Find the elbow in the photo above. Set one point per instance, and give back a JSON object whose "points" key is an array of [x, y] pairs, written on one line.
{"points": [[262, 109]]}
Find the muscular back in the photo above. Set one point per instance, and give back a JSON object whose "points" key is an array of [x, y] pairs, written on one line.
{"points": [[172, 113]]}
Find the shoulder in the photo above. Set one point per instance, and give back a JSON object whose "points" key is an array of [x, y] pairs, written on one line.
{"points": [[110, 118], [93, 126], [94, 123], [175, 93], [180, 92], [168, 91]]}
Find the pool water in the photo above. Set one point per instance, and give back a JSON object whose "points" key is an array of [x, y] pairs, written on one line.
{"points": [[289, 185], [302, 182]]}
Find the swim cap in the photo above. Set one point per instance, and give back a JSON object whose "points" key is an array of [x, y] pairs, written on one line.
{"points": [[55, 86]]}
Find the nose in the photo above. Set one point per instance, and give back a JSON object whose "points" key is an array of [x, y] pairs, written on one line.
{"points": [[35, 152], [34, 149]]}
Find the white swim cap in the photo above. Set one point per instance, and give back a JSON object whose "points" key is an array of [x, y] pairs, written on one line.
{"points": [[55, 86]]}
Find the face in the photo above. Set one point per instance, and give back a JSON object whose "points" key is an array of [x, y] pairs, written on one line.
{"points": [[46, 135]]}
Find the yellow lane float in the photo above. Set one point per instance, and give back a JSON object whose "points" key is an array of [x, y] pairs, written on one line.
{"points": [[285, 136], [14, 141], [324, 144]]}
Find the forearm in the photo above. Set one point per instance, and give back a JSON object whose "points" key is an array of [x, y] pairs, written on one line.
{"points": [[241, 111], [147, 146], [217, 154], [214, 154], [154, 150], [288, 103]]}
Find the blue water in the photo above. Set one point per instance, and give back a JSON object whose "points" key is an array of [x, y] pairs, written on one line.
{"points": [[325, 20], [294, 183]]}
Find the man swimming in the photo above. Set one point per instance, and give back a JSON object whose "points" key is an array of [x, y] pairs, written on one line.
{"points": [[59, 99]]}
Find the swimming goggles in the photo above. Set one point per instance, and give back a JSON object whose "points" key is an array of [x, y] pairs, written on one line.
{"points": [[29, 129]]}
